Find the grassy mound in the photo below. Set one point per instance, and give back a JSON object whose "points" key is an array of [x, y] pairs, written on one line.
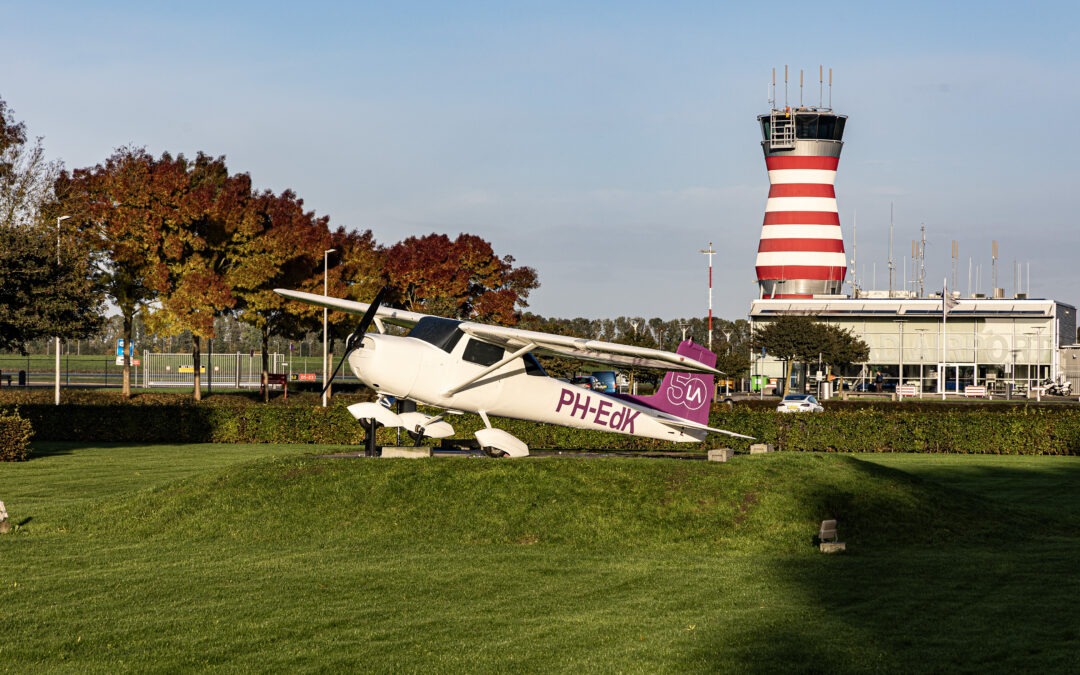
{"points": [[771, 501]]}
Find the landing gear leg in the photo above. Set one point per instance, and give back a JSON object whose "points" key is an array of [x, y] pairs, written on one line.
{"points": [[370, 447]]}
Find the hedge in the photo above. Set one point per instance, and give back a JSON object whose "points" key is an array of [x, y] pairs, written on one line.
{"points": [[1012, 429], [15, 435]]}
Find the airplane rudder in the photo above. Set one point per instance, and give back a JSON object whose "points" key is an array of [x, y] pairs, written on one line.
{"points": [[688, 395]]}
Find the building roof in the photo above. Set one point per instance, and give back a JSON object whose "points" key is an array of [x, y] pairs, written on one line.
{"points": [[901, 307]]}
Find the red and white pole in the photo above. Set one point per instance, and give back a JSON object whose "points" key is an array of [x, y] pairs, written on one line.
{"points": [[710, 252]]}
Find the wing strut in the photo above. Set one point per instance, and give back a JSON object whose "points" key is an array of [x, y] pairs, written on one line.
{"points": [[490, 369]]}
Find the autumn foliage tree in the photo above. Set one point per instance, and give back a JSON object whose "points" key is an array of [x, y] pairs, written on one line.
{"points": [[120, 209], [280, 246], [460, 278], [210, 209]]}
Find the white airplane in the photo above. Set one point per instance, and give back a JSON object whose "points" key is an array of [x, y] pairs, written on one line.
{"points": [[462, 366]]}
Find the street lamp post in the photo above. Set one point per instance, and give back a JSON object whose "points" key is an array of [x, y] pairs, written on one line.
{"points": [[57, 387], [900, 370], [1038, 362], [922, 353], [325, 313]]}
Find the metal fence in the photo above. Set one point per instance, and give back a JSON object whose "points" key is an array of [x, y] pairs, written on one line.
{"points": [[75, 371], [217, 370], [225, 371]]}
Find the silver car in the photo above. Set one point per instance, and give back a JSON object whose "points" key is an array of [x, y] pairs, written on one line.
{"points": [[799, 403]]}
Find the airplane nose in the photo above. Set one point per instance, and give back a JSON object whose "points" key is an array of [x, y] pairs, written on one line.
{"points": [[367, 348], [383, 364]]}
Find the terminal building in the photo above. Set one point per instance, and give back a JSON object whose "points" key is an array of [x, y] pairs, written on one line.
{"points": [[1007, 345]]}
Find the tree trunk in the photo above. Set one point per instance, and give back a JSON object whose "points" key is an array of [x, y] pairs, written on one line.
{"points": [[196, 361], [209, 366], [129, 322], [266, 365]]}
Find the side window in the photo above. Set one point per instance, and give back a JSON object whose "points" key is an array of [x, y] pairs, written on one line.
{"points": [[483, 353], [533, 367]]}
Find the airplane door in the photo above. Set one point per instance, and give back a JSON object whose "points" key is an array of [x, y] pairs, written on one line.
{"points": [[475, 357]]}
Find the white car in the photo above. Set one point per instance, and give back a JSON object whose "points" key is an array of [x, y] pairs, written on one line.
{"points": [[799, 403]]}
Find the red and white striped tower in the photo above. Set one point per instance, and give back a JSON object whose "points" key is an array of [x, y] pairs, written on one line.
{"points": [[801, 253]]}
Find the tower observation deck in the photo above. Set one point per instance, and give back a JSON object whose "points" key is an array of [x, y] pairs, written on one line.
{"points": [[801, 253]]}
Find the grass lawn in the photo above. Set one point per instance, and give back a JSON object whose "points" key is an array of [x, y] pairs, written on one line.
{"points": [[267, 558]]}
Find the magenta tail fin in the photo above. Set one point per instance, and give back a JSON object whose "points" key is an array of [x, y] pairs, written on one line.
{"points": [[685, 395]]}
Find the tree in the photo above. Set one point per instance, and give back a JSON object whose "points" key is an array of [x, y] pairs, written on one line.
{"points": [[281, 246], [461, 279], [44, 291], [209, 212], [120, 209], [40, 297], [26, 177], [733, 349], [803, 339]]}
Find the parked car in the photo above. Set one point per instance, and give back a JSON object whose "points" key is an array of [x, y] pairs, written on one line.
{"points": [[606, 380], [799, 403], [587, 382]]}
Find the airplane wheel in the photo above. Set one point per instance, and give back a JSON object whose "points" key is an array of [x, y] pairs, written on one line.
{"points": [[493, 452]]}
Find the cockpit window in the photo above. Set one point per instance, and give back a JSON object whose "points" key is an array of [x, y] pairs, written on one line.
{"points": [[443, 333]]}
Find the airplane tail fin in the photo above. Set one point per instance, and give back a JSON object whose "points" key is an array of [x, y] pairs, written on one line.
{"points": [[685, 395]]}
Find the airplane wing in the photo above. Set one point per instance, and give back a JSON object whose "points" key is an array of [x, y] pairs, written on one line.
{"points": [[397, 317], [584, 349], [597, 351]]}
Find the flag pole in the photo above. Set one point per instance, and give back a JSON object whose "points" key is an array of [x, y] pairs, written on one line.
{"points": [[944, 333]]}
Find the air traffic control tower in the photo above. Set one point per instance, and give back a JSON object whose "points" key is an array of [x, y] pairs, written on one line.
{"points": [[801, 253]]}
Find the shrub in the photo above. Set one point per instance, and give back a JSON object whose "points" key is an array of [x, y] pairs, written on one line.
{"points": [[15, 435]]}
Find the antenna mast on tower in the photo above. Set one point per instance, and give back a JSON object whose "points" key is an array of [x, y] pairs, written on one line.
{"points": [[854, 254], [922, 263], [993, 266], [955, 256], [891, 265]]}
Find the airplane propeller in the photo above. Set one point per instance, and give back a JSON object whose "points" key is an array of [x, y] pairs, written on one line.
{"points": [[356, 338]]}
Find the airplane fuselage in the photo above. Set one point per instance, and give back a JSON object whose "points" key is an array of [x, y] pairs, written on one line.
{"points": [[431, 369]]}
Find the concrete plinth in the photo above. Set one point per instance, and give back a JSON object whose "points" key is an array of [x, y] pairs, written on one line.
{"points": [[721, 454], [832, 546], [407, 452], [761, 448]]}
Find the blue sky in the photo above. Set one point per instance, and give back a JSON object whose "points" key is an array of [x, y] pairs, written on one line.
{"points": [[604, 144]]}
